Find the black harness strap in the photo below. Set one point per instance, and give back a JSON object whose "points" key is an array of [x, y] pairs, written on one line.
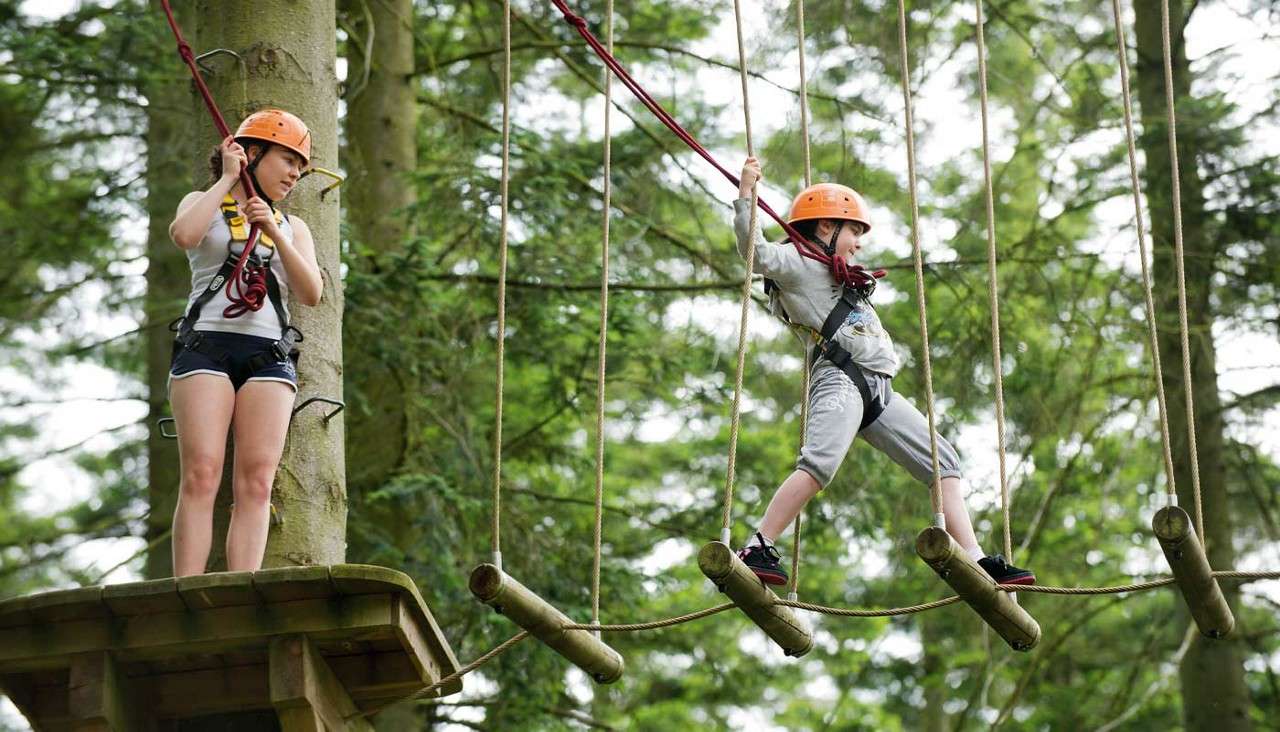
{"points": [[828, 348], [184, 326]]}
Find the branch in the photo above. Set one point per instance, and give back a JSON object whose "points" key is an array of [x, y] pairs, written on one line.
{"points": [[674, 531], [1268, 395], [673, 50], [661, 232], [52, 402], [73, 447], [589, 286], [1160, 681], [81, 350]]}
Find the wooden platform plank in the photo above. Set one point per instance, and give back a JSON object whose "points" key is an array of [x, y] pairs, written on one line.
{"points": [[144, 598], [200, 645], [364, 578], [285, 584], [218, 589], [73, 604], [209, 631], [16, 612]]}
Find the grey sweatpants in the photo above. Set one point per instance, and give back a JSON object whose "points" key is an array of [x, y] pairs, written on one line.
{"points": [[901, 431]]}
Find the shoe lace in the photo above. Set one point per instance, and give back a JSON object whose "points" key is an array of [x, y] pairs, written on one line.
{"points": [[770, 553]]}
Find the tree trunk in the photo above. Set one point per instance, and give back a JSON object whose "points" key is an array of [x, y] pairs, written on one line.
{"points": [[170, 150], [381, 155], [287, 53], [934, 679], [1214, 694]]}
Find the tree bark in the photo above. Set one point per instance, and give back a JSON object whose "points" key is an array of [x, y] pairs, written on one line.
{"points": [[1214, 694], [286, 54], [381, 151], [170, 150]]}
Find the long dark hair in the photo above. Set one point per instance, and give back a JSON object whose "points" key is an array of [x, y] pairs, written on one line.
{"points": [[215, 157]]}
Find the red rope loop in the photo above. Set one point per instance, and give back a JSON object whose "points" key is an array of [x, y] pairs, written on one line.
{"points": [[250, 291]]}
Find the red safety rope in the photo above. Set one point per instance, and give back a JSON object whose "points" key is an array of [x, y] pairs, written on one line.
{"points": [[247, 285], [854, 275]]}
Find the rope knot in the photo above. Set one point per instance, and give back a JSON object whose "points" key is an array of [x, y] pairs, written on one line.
{"points": [[570, 17]]}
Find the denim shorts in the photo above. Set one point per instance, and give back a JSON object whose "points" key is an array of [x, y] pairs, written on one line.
{"points": [[236, 354]]}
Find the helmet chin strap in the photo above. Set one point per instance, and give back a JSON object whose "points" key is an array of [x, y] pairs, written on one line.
{"points": [[830, 246], [252, 170]]}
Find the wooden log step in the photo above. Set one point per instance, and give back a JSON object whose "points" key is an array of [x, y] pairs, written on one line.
{"points": [[723, 567], [498, 590], [954, 565], [1192, 572]]}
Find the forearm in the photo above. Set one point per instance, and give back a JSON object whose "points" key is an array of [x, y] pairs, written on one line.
{"points": [[742, 226], [190, 224]]}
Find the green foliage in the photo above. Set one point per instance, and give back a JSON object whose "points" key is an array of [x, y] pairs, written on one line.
{"points": [[1085, 459]]}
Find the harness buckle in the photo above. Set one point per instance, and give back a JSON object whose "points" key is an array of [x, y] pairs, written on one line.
{"points": [[284, 348]]}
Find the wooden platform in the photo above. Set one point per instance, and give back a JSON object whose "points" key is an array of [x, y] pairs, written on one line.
{"points": [[303, 647]]}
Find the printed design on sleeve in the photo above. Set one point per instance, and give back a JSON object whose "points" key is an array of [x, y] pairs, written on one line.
{"points": [[862, 322]]}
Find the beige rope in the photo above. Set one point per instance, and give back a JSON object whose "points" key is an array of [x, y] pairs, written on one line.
{"points": [[1182, 278], [727, 522], [993, 289], [936, 489], [861, 613], [1122, 53], [604, 320], [652, 625], [804, 95], [502, 282], [793, 590], [1136, 587]]}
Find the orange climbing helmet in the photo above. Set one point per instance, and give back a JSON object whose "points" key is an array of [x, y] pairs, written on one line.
{"points": [[829, 201], [280, 127]]}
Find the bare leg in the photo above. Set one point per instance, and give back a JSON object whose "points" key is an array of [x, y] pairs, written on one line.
{"points": [[202, 407], [787, 503], [261, 421], [958, 523]]}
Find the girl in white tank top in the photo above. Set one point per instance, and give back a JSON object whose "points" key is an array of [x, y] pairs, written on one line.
{"points": [[232, 369]]}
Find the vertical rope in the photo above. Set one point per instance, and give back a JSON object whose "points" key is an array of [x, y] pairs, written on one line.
{"points": [[936, 489], [725, 528], [993, 290], [793, 591], [604, 321], [804, 96], [502, 281], [1122, 52], [1182, 278]]}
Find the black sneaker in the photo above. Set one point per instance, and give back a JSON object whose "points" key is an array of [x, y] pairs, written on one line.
{"points": [[1004, 573], [765, 561]]}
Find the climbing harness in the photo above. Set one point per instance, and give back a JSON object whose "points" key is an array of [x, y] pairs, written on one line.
{"points": [[258, 277], [828, 348]]}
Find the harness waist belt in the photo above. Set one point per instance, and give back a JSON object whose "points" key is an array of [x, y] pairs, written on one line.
{"points": [[829, 349]]}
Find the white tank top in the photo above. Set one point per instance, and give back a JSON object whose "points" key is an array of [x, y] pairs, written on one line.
{"points": [[207, 258]]}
